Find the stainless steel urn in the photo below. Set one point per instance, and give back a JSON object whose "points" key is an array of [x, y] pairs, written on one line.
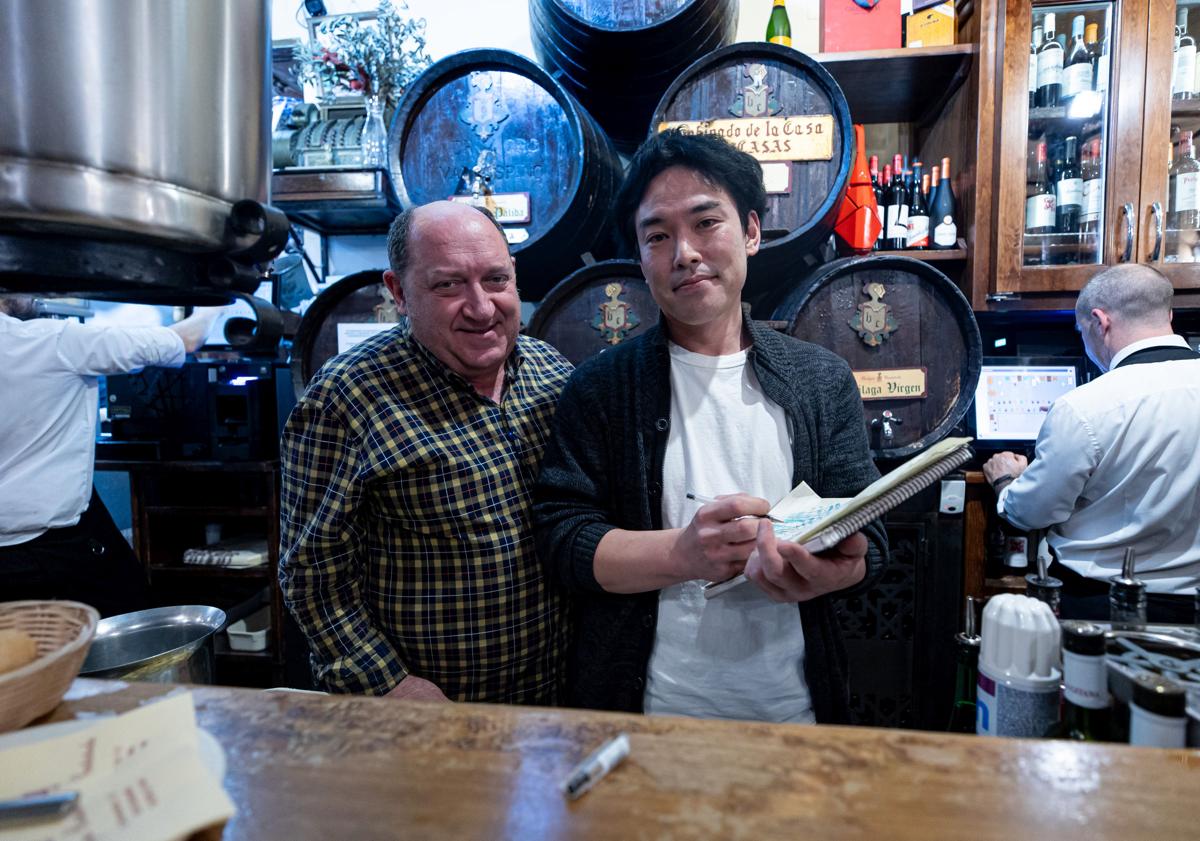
{"points": [[136, 121]]}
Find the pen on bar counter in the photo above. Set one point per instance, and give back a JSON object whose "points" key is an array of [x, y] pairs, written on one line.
{"points": [[705, 500], [589, 772]]}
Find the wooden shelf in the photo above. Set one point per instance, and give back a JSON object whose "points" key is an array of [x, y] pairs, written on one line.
{"points": [[188, 466], [900, 86], [929, 255], [265, 571], [256, 658], [209, 510], [1185, 107], [1007, 584]]}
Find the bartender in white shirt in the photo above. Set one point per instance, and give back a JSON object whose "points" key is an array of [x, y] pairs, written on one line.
{"points": [[57, 540], [1115, 462]]}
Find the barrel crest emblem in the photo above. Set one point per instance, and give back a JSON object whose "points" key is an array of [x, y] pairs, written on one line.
{"points": [[755, 99], [616, 317], [485, 109], [874, 321]]}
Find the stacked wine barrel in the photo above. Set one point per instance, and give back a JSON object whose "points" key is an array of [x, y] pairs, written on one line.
{"points": [[545, 153], [618, 57], [595, 308], [785, 109], [897, 322]]}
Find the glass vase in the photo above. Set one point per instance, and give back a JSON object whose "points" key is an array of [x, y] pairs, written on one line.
{"points": [[374, 136]]}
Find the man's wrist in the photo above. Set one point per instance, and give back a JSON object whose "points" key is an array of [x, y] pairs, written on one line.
{"points": [[1002, 482]]}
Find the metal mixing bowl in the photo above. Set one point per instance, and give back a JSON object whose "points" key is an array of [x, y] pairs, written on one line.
{"points": [[163, 645]]}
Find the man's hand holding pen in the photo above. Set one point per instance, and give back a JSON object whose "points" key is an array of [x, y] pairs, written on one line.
{"points": [[787, 572], [719, 539]]}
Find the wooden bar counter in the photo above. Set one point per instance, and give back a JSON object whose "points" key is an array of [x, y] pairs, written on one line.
{"points": [[324, 767]]}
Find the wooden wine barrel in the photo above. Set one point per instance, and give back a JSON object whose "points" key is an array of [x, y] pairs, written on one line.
{"points": [[909, 335], [359, 298], [787, 111], [555, 171], [595, 308], [617, 58]]}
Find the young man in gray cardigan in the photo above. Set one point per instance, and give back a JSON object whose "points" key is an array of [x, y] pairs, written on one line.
{"points": [[707, 405]]}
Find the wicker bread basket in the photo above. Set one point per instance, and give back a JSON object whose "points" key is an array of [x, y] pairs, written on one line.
{"points": [[63, 632]]}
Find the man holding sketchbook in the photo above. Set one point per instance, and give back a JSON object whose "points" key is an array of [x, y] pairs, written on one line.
{"points": [[708, 405]]}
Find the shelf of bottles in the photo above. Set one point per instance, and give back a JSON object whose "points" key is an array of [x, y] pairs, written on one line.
{"points": [[1069, 83], [1181, 239], [916, 208]]}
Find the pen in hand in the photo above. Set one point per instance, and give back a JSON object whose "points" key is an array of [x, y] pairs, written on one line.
{"points": [[705, 500]]}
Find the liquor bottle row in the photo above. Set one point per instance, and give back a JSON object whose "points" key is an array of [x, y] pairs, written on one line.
{"points": [[915, 207], [1152, 712], [1060, 71], [1185, 81], [1065, 188]]}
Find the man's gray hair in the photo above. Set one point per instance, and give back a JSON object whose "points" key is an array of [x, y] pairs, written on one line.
{"points": [[18, 305], [1130, 293], [398, 239]]}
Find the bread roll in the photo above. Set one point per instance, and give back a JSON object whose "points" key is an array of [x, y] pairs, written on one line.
{"points": [[16, 650]]}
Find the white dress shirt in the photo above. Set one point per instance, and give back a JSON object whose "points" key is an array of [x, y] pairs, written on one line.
{"points": [[49, 372], [1116, 466]]}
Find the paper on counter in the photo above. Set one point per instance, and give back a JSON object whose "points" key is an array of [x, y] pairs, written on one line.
{"points": [[139, 778]]}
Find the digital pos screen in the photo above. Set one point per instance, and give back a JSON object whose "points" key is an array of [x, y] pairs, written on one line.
{"points": [[1014, 396]]}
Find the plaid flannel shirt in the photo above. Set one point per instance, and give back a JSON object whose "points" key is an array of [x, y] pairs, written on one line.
{"points": [[406, 524]]}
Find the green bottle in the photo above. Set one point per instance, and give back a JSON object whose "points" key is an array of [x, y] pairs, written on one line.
{"points": [[966, 658], [1085, 707], [779, 28]]}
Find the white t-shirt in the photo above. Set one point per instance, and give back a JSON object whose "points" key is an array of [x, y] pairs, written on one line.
{"points": [[49, 386], [740, 656]]}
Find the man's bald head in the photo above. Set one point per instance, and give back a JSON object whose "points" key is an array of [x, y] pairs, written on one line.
{"points": [[1133, 295], [408, 223]]}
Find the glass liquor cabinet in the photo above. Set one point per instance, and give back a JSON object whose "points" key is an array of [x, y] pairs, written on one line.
{"points": [[1091, 96]]}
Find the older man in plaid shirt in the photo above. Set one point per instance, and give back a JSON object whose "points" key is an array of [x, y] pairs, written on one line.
{"points": [[407, 556]]}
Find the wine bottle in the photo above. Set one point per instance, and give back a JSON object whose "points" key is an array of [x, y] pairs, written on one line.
{"points": [[897, 212], [925, 187], [1068, 190], [918, 213], [879, 206], [1033, 65], [1077, 75], [1091, 40], [1039, 197], [966, 673], [1085, 715], [1100, 74], [1184, 213], [941, 212], [885, 193], [1093, 188], [1157, 712], [1184, 79], [779, 28], [1050, 62]]}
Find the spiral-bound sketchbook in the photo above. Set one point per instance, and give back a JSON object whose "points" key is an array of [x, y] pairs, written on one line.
{"points": [[820, 524]]}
